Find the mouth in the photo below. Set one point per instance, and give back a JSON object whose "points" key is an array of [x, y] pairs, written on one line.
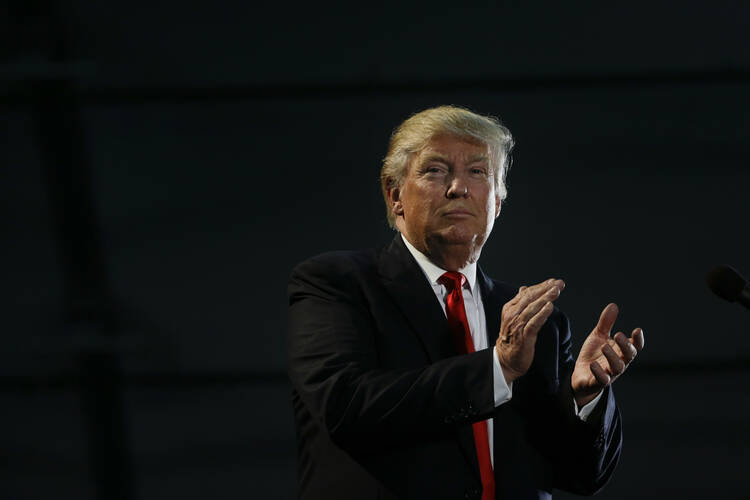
{"points": [[458, 213]]}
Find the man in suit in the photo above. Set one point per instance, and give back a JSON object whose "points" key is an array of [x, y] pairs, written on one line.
{"points": [[415, 375]]}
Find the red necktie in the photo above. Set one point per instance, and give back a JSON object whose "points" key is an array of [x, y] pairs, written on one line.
{"points": [[456, 313]]}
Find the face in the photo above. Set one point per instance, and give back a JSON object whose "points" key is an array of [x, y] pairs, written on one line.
{"points": [[447, 203]]}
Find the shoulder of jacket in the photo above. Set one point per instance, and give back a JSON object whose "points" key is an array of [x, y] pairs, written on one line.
{"points": [[339, 261], [338, 274]]}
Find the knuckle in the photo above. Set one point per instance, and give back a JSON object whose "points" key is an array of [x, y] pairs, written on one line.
{"points": [[526, 315]]}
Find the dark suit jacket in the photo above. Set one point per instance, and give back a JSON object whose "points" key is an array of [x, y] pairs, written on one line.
{"points": [[383, 404]]}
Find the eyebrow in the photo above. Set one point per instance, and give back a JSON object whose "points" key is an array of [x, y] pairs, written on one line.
{"points": [[443, 159], [478, 158], [434, 157]]}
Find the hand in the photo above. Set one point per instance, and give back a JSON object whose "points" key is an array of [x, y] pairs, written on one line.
{"points": [[520, 322], [602, 359]]}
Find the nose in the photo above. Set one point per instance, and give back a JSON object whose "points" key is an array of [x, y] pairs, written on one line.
{"points": [[458, 188]]}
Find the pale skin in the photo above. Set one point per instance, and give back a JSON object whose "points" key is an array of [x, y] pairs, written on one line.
{"points": [[446, 207]]}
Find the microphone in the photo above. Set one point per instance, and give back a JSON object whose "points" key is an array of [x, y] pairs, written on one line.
{"points": [[728, 284]]}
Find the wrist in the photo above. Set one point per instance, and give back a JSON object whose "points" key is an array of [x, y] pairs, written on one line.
{"points": [[583, 399], [508, 374]]}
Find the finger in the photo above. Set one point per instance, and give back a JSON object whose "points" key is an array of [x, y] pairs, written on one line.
{"points": [[518, 311], [533, 293], [638, 340], [616, 365], [535, 324], [617, 350], [627, 350], [532, 309], [528, 294], [515, 299], [600, 375], [607, 320]]}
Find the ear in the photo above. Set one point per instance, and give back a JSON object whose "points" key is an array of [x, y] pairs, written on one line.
{"points": [[498, 205], [394, 196]]}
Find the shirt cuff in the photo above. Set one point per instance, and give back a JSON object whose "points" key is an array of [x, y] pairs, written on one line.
{"points": [[584, 412], [503, 391]]}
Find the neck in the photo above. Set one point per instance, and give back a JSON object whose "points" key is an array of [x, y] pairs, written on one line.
{"points": [[448, 256], [451, 257]]}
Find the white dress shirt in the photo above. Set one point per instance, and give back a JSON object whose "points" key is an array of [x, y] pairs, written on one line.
{"points": [[478, 327]]}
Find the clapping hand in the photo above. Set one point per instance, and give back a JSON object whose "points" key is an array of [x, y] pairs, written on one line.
{"points": [[520, 322], [603, 358]]}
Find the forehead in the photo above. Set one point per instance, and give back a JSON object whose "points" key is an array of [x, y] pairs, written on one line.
{"points": [[455, 148]]}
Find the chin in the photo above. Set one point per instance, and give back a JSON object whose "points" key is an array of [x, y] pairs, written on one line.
{"points": [[457, 235]]}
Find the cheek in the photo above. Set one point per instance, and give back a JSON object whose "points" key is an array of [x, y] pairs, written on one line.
{"points": [[424, 199], [421, 213], [491, 207], [422, 209], [486, 195]]}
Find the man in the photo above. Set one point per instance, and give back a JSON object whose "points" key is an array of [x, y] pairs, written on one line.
{"points": [[416, 376]]}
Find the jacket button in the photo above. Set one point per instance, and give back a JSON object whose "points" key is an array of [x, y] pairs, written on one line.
{"points": [[472, 493], [599, 442]]}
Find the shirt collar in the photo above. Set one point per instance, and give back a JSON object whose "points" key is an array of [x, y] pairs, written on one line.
{"points": [[434, 272]]}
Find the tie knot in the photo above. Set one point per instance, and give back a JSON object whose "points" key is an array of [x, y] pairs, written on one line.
{"points": [[452, 280]]}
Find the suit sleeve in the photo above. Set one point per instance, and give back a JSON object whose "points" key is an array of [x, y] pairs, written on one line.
{"points": [[585, 453], [334, 366]]}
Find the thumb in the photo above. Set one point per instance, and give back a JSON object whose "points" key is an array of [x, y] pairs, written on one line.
{"points": [[606, 320]]}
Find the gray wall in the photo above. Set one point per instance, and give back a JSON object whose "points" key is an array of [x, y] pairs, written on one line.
{"points": [[220, 145]]}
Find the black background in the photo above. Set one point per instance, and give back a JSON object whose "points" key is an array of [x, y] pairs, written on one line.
{"points": [[165, 164]]}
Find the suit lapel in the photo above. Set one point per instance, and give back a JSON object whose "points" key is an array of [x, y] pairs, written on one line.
{"points": [[493, 299], [406, 283]]}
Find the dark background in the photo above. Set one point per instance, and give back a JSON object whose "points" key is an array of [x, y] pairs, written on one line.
{"points": [[165, 164]]}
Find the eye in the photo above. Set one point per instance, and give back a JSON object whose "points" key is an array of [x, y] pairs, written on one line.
{"points": [[478, 171], [434, 169]]}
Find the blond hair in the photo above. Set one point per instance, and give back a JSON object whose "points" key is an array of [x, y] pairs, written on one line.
{"points": [[412, 136]]}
